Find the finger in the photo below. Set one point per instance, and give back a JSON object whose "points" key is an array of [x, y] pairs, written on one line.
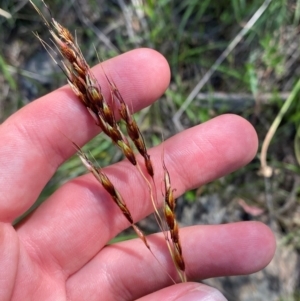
{"points": [[32, 143], [9, 257], [193, 158], [209, 251]]}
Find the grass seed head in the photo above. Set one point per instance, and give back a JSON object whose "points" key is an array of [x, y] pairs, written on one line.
{"points": [[88, 90]]}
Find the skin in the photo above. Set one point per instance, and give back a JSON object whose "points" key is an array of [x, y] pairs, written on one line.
{"points": [[59, 252]]}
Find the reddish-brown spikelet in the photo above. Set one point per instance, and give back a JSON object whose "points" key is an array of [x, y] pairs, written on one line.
{"points": [[106, 183], [178, 257], [68, 53], [169, 212], [132, 129], [63, 32], [109, 187]]}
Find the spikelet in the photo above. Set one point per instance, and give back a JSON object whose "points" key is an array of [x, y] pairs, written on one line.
{"points": [[169, 212], [132, 128]]}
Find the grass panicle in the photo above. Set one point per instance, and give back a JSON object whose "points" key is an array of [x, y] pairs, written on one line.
{"points": [[117, 198], [85, 85], [88, 90]]}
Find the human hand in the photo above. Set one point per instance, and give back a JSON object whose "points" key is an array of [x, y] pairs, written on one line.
{"points": [[59, 252]]}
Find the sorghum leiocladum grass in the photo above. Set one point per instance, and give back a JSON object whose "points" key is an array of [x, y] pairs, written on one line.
{"points": [[88, 90]]}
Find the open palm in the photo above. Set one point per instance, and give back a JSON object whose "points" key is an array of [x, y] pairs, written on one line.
{"points": [[59, 252]]}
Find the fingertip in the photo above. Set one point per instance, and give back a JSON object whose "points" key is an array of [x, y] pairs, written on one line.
{"points": [[234, 141], [199, 292], [155, 69], [263, 243], [232, 249], [243, 131], [210, 150], [152, 59], [253, 246], [144, 70]]}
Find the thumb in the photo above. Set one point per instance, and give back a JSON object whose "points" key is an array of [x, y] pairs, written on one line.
{"points": [[201, 292], [189, 291], [9, 255]]}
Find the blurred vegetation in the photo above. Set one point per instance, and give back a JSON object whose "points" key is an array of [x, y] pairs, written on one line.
{"points": [[254, 80]]}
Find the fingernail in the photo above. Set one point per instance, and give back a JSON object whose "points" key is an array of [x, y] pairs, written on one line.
{"points": [[202, 293]]}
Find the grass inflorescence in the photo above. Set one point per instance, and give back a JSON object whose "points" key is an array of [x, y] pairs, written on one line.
{"points": [[88, 90]]}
